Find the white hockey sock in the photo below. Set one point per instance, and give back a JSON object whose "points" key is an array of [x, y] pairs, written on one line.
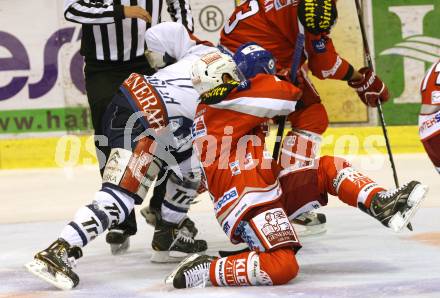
{"points": [[110, 207], [171, 215], [178, 198]]}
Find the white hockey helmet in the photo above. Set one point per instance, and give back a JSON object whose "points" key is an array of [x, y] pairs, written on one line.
{"points": [[207, 72]]}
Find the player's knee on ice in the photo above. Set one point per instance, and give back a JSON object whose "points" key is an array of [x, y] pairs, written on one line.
{"points": [[280, 265]]}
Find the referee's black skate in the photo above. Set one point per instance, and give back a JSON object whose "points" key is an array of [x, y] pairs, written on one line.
{"points": [[55, 263], [395, 208], [193, 272], [172, 243], [152, 215], [119, 241]]}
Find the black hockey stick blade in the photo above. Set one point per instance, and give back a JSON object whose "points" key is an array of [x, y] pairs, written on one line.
{"points": [[227, 253]]}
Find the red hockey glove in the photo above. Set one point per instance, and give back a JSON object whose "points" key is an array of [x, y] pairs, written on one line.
{"points": [[370, 88]]}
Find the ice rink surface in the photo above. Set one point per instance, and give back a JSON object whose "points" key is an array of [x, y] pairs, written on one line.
{"points": [[357, 257]]}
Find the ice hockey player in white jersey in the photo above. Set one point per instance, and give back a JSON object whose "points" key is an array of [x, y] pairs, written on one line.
{"points": [[148, 127], [167, 43]]}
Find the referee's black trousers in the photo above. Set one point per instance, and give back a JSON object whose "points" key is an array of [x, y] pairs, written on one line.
{"points": [[102, 81]]}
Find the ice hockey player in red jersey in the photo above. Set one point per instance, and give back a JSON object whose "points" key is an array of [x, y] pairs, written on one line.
{"points": [[296, 32], [251, 204], [429, 118]]}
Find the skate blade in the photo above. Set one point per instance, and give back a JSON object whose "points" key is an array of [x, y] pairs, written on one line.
{"points": [[167, 257], [305, 231], [59, 280], [169, 278], [119, 249], [170, 256], [400, 220]]}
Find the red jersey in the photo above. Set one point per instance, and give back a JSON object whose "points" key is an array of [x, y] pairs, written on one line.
{"points": [[230, 145], [274, 25], [430, 87]]}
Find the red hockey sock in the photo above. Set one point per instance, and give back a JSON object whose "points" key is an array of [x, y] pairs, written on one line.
{"points": [[337, 177]]}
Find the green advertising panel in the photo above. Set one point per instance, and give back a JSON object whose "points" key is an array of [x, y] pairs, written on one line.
{"points": [[406, 42], [74, 119]]}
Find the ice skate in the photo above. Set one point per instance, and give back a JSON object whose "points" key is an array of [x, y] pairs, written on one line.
{"points": [[309, 223], [55, 264], [152, 215], [119, 241], [193, 272], [172, 243], [395, 208]]}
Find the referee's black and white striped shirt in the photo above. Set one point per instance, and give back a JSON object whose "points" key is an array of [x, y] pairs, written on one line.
{"points": [[108, 36]]}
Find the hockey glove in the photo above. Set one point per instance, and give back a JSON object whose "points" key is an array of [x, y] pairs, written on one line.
{"points": [[370, 88]]}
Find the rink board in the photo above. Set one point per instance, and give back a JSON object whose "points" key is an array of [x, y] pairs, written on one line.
{"points": [[73, 150]]}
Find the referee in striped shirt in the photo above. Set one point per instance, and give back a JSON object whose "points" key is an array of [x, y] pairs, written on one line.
{"points": [[113, 46]]}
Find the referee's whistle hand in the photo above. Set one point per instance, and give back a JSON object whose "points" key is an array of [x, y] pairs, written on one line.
{"points": [[137, 12]]}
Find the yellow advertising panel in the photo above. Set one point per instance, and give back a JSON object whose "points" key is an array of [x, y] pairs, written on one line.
{"points": [[340, 100]]}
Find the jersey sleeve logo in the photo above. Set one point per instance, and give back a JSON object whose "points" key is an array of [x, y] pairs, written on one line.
{"points": [[143, 97], [319, 45], [227, 197], [334, 69]]}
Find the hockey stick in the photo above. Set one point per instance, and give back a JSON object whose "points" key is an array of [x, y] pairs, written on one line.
{"points": [[296, 60], [227, 253], [379, 104], [279, 138]]}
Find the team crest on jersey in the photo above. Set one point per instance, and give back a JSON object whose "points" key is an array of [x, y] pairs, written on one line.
{"points": [[198, 128]]}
